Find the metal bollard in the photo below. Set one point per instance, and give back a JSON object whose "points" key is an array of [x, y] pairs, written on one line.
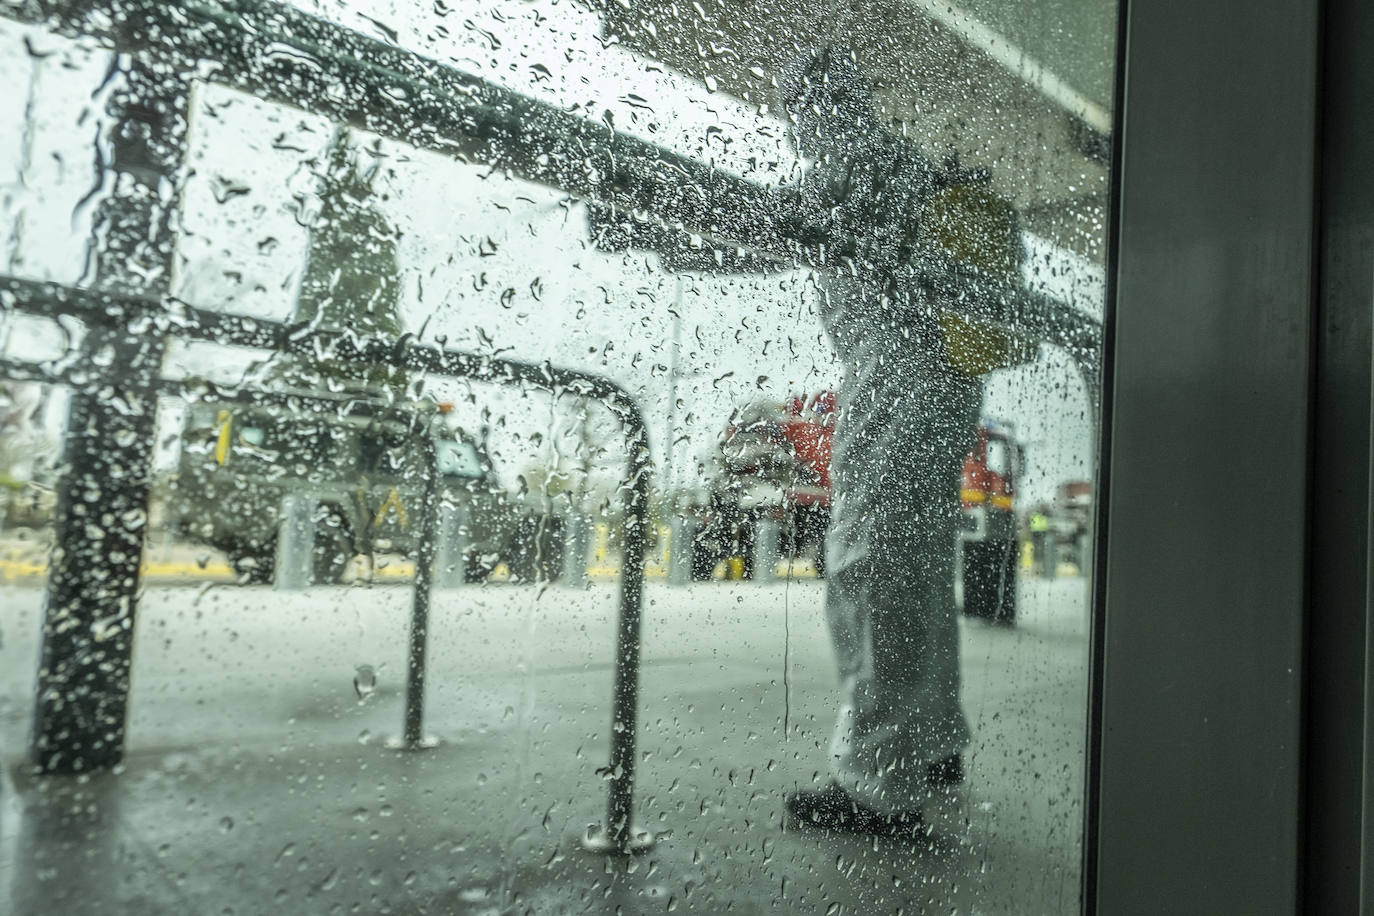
{"points": [[295, 543], [576, 531], [766, 554], [680, 550], [413, 737], [450, 564]]}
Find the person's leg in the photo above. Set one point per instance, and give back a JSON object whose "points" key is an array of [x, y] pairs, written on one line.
{"points": [[900, 711], [900, 728], [894, 625]]}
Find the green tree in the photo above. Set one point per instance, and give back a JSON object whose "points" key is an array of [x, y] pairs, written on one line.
{"points": [[351, 282], [351, 275]]}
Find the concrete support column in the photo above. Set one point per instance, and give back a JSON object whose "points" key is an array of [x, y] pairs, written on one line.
{"points": [[680, 549], [295, 543], [576, 538], [766, 554], [450, 563]]}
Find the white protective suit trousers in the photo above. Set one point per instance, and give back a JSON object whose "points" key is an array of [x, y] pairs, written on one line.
{"points": [[907, 420]]}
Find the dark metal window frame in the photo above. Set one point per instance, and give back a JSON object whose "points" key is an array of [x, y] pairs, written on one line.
{"points": [[1229, 729]]}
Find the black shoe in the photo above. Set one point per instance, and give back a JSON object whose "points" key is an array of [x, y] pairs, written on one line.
{"points": [[945, 774], [832, 808]]}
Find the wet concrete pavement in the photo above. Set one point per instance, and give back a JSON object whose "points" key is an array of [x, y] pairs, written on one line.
{"points": [[259, 779]]}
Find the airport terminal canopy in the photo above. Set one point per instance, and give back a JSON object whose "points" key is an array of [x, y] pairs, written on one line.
{"points": [[1031, 99]]}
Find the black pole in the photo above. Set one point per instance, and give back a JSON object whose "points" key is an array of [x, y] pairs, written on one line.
{"points": [[102, 503], [619, 834], [413, 737]]}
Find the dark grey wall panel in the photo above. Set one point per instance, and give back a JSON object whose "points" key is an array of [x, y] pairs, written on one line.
{"points": [[1204, 591]]}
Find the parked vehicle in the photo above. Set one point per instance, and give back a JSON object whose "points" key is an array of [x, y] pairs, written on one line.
{"points": [[774, 462], [989, 553], [360, 462]]}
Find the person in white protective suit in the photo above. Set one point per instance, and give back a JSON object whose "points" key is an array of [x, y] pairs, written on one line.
{"points": [[907, 418]]}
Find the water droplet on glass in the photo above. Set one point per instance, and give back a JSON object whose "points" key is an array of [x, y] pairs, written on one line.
{"points": [[226, 189], [364, 682]]}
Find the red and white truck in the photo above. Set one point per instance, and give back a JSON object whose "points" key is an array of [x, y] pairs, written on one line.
{"points": [[989, 554], [774, 463]]}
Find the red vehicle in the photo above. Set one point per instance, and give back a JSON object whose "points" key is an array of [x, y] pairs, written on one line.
{"points": [[775, 464], [989, 546]]}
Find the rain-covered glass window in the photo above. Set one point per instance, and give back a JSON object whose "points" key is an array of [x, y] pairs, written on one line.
{"points": [[548, 455]]}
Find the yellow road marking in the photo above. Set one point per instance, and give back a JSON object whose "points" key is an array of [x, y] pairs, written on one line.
{"points": [[11, 570], [14, 570]]}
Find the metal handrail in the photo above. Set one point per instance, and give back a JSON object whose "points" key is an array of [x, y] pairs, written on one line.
{"points": [[174, 318]]}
